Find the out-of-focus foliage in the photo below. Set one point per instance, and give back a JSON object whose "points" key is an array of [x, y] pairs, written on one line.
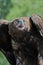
{"points": [[5, 6], [25, 8], [20, 8], [3, 60]]}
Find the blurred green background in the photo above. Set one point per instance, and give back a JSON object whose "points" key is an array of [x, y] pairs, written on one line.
{"points": [[10, 9]]}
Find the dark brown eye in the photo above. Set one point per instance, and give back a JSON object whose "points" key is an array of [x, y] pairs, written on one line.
{"points": [[15, 23]]}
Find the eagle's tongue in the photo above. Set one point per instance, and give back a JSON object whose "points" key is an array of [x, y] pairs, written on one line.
{"points": [[20, 25]]}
